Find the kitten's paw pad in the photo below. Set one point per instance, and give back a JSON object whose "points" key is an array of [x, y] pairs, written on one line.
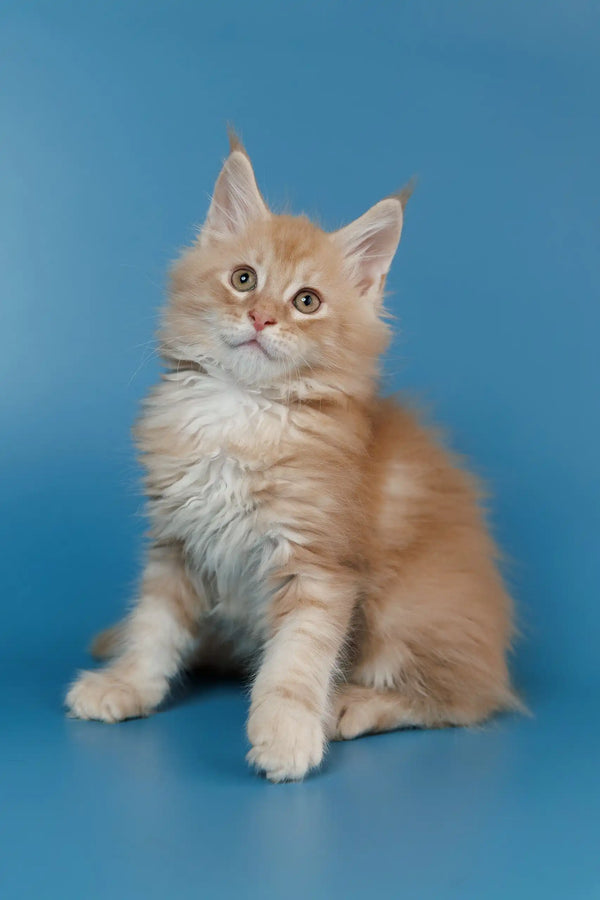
{"points": [[102, 696], [287, 740]]}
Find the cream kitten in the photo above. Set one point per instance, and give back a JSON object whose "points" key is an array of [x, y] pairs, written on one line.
{"points": [[302, 526]]}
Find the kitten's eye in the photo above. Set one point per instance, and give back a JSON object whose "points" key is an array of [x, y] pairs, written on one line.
{"points": [[306, 301], [243, 278]]}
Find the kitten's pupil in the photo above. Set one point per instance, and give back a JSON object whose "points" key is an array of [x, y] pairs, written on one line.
{"points": [[244, 278]]}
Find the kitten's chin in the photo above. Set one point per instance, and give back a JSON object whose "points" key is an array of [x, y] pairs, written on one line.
{"points": [[252, 345], [251, 364], [248, 362], [251, 361]]}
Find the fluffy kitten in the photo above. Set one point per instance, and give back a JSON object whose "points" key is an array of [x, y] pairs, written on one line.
{"points": [[302, 526]]}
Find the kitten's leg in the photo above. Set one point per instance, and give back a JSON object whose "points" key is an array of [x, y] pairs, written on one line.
{"points": [[149, 648], [361, 710], [439, 688], [290, 696], [430, 648]]}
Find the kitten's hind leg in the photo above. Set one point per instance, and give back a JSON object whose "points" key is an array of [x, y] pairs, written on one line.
{"points": [[365, 710], [147, 650], [107, 643]]}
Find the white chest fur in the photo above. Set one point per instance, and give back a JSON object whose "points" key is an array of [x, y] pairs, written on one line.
{"points": [[212, 502]]}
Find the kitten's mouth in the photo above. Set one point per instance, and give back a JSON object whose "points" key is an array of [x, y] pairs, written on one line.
{"points": [[253, 344]]}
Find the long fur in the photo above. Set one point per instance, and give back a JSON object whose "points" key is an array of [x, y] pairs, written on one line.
{"points": [[302, 526]]}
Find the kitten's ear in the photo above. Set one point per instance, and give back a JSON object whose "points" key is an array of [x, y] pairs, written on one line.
{"points": [[236, 200], [369, 244]]}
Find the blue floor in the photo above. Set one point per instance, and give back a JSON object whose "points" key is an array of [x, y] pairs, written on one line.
{"points": [[166, 807]]}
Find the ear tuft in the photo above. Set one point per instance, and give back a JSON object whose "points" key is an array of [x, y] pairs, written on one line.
{"points": [[369, 244], [406, 192], [236, 200], [235, 142]]}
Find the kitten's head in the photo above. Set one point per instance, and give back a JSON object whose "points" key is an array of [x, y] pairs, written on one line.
{"points": [[273, 300]]}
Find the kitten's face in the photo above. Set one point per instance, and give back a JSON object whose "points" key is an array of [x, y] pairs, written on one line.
{"points": [[272, 303], [271, 299]]}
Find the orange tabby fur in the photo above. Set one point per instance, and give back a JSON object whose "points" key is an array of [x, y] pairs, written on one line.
{"points": [[301, 525]]}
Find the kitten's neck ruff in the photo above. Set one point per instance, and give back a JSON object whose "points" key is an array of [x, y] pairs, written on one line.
{"points": [[312, 388]]}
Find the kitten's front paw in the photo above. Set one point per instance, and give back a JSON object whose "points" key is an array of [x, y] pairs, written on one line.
{"points": [[287, 740], [101, 695]]}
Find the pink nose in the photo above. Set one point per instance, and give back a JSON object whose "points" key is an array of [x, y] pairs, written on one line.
{"points": [[260, 320]]}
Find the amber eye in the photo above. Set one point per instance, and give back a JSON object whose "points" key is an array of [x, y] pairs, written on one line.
{"points": [[306, 301], [243, 278]]}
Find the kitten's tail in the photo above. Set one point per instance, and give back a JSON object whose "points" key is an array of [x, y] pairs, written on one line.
{"points": [[106, 644]]}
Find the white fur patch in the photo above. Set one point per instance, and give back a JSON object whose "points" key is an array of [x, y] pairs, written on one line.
{"points": [[211, 503]]}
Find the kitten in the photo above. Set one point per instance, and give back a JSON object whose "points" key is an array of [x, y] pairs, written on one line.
{"points": [[301, 526]]}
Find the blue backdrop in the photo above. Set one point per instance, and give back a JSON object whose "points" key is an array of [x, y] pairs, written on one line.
{"points": [[113, 131]]}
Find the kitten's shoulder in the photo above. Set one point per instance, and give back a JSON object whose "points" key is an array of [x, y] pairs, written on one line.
{"points": [[402, 431], [398, 420]]}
